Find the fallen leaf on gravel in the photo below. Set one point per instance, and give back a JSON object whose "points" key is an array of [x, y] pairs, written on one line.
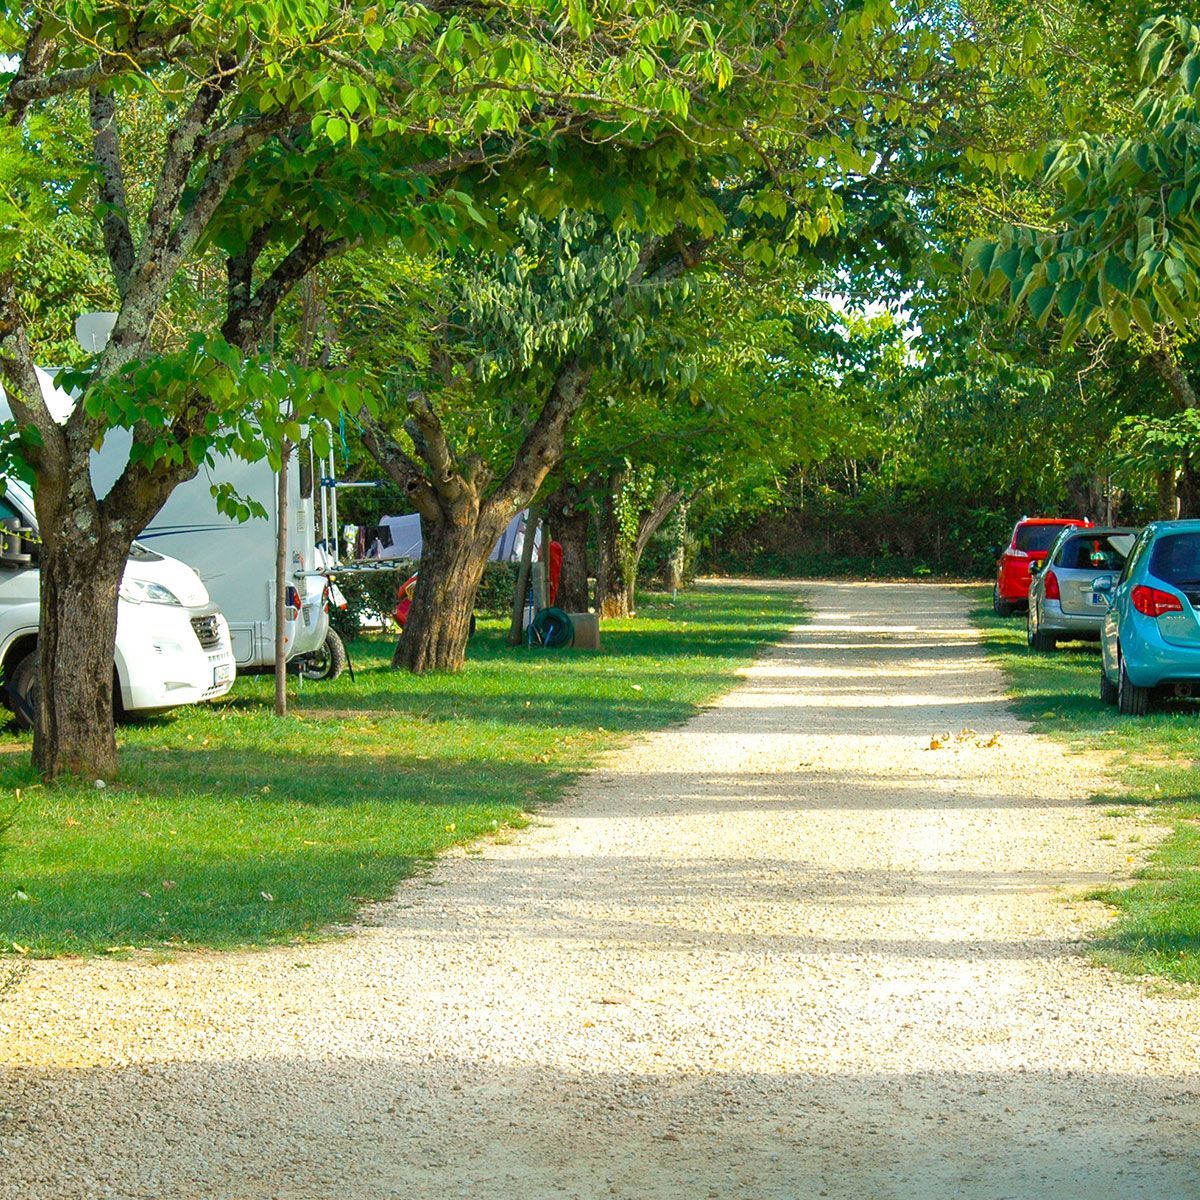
{"points": [[939, 740]]}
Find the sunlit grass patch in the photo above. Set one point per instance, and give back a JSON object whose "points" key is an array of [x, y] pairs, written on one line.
{"points": [[232, 827], [1154, 761]]}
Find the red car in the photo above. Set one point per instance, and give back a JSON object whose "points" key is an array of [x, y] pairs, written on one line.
{"points": [[1030, 543]]}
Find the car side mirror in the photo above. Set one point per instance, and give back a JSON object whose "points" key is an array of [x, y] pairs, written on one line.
{"points": [[1102, 583], [1034, 567]]}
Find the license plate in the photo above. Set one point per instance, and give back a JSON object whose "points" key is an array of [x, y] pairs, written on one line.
{"points": [[1098, 599], [223, 673]]}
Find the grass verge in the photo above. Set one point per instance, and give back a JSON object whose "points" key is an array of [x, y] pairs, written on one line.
{"points": [[1157, 930], [232, 827]]}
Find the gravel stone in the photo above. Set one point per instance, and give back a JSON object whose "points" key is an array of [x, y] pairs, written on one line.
{"points": [[784, 950]]}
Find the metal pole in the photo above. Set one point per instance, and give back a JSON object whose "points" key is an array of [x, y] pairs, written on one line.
{"points": [[515, 630], [281, 564]]}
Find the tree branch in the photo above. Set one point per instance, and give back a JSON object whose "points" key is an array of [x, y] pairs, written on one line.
{"points": [[34, 83], [247, 320], [23, 387], [404, 471], [114, 206]]}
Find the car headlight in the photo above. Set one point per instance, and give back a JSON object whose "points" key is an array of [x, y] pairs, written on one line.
{"points": [[142, 591]]}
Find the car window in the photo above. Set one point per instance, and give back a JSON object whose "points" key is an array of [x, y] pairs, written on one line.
{"points": [[1176, 559], [1036, 537], [1095, 553], [1135, 555]]}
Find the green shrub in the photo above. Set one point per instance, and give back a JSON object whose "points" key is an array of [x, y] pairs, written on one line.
{"points": [[370, 593]]}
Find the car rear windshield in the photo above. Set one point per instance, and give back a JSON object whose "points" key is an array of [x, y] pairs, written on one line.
{"points": [[1176, 559], [1036, 537], [1096, 553]]}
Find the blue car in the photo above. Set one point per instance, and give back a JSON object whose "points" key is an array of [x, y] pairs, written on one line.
{"points": [[1150, 642]]}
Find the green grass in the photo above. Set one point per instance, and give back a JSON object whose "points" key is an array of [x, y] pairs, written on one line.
{"points": [[1154, 760], [231, 827]]}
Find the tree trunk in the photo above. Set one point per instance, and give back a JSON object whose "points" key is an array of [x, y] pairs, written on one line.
{"points": [[1168, 501], [73, 727], [453, 559], [620, 556], [569, 520], [614, 596], [673, 575], [1188, 489]]}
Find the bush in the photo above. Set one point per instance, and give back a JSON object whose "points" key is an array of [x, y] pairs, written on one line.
{"points": [[370, 594]]}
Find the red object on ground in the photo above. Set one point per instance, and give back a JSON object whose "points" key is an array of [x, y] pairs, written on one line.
{"points": [[1030, 542], [554, 569], [404, 595]]}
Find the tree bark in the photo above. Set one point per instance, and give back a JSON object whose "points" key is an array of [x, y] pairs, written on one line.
{"points": [[453, 558], [1187, 489], [621, 556], [613, 595], [569, 520], [673, 575], [73, 726], [1168, 501]]}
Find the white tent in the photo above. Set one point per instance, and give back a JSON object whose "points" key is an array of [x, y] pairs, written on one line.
{"points": [[407, 542]]}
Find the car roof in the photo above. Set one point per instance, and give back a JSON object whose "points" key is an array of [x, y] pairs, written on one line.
{"points": [[1187, 525], [1078, 521], [1103, 530]]}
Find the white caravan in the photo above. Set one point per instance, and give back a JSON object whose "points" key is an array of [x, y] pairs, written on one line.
{"points": [[173, 644], [235, 560]]}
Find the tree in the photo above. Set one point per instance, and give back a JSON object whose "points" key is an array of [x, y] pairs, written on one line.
{"points": [[533, 325], [810, 98], [1117, 258], [270, 138]]}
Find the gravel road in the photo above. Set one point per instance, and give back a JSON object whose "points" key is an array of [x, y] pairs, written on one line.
{"points": [[784, 951]]}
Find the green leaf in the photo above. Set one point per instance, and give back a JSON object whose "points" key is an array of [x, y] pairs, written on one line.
{"points": [[1141, 314]]}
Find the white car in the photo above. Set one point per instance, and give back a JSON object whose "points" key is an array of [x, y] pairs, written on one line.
{"points": [[173, 644]]}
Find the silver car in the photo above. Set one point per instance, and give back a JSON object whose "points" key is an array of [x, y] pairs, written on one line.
{"points": [[1063, 605]]}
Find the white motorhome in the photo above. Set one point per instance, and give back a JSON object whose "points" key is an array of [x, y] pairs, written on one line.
{"points": [[173, 645], [235, 560]]}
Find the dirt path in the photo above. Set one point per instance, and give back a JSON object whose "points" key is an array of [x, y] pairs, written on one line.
{"points": [[786, 951]]}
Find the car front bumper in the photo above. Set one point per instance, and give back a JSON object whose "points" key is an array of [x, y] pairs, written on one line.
{"points": [[161, 663]]}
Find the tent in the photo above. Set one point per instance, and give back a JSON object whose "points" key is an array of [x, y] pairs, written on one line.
{"points": [[406, 540]]}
